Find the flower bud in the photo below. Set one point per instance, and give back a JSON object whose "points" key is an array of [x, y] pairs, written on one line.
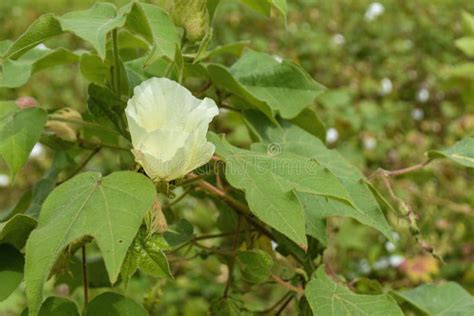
{"points": [[26, 102], [193, 16], [62, 124]]}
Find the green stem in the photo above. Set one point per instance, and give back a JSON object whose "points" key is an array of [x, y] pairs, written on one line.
{"points": [[116, 60]]}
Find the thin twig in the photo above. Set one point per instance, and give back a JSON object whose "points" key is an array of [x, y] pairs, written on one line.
{"points": [[85, 278], [284, 305], [178, 199], [394, 173], [286, 284], [239, 207], [232, 262], [85, 143], [82, 165], [277, 303], [116, 61]]}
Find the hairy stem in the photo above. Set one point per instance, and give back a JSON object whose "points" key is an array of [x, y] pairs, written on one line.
{"points": [[116, 61]]}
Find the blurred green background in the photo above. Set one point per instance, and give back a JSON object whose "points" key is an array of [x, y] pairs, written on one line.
{"points": [[395, 90]]}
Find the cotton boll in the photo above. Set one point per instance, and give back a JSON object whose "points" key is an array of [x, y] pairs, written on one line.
{"points": [[338, 39], [373, 11], [386, 86], [332, 135], [417, 114], [4, 180], [423, 95]]}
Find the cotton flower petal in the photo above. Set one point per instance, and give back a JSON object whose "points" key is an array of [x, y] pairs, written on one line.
{"points": [[168, 126]]}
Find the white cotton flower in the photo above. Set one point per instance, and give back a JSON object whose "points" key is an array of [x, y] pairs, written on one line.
{"points": [[168, 127]]}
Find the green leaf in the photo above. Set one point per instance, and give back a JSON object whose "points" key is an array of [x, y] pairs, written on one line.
{"points": [[272, 181], [282, 86], [19, 132], [468, 22], [466, 44], [329, 298], [46, 26], [156, 26], [228, 306], [448, 299], [265, 7], [107, 108], [11, 270], [255, 265], [462, 152], [146, 253], [43, 187], [58, 306], [113, 304], [94, 24], [179, 233], [16, 73], [94, 69], [293, 140], [310, 122], [223, 78], [20, 207], [110, 209], [234, 49], [16, 230]]}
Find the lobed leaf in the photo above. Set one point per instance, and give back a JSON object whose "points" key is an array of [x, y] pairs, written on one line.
{"points": [[329, 298], [110, 209]]}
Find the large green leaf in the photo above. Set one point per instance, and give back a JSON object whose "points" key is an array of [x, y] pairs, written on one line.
{"points": [[328, 298], [462, 152], [113, 304], [448, 299], [11, 270], [16, 73], [293, 140], [156, 26], [270, 85], [19, 132], [110, 209], [272, 182], [146, 253], [94, 24], [44, 27]]}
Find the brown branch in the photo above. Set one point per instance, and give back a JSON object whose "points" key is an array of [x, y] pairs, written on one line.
{"points": [[85, 278], [394, 173]]}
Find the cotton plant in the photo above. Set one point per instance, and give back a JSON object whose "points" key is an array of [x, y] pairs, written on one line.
{"points": [[154, 95]]}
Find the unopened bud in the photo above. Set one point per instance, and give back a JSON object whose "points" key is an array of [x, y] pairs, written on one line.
{"points": [[193, 16], [26, 102], [65, 123]]}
